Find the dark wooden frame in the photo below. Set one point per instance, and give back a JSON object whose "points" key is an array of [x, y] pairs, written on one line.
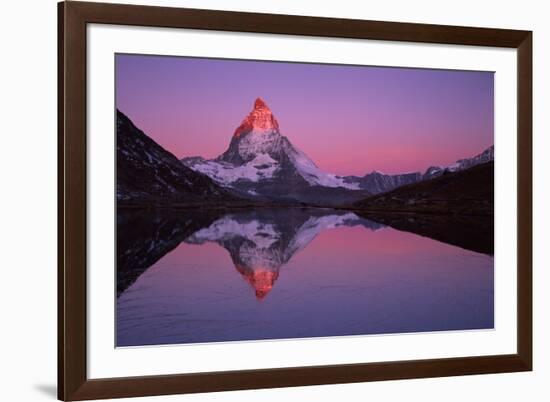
{"points": [[73, 17]]}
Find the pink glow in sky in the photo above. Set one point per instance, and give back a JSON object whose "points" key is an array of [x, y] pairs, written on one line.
{"points": [[348, 119]]}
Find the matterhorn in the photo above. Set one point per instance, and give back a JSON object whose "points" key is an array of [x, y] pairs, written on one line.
{"points": [[261, 163]]}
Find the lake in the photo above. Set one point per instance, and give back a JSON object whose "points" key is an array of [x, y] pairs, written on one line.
{"points": [[193, 276]]}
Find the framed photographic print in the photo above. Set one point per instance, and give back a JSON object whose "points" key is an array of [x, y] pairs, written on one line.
{"points": [[253, 200]]}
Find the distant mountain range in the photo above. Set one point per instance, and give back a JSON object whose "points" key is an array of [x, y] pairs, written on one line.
{"points": [[260, 166], [462, 164], [376, 182], [468, 191]]}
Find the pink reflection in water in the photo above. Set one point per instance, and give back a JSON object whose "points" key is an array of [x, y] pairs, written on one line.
{"points": [[345, 281]]}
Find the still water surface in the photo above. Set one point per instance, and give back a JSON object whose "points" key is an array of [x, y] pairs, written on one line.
{"points": [[187, 277]]}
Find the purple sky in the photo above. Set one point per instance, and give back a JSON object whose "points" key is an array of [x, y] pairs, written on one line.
{"points": [[348, 119]]}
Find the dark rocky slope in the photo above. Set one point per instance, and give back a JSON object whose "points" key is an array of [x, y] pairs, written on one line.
{"points": [[148, 174]]}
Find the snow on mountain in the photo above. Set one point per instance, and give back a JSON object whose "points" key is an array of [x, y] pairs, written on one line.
{"points": [[432, 171], [377, 182], [486, 156], [313, 175], [262, 166], [258, 152], [461, 164]]}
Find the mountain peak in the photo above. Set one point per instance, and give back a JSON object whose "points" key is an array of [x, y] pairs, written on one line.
{"points": [[260, 104], [260, 119]]}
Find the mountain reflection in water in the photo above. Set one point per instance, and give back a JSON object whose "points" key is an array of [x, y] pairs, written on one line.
{"points": [[309, 272]]}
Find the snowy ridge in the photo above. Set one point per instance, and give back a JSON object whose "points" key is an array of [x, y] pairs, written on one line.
{"points": [[258, 152], [486, 156], [261, 167], [462, 164], [313, 175]]}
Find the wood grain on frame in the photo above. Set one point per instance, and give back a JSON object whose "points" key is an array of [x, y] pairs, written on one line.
{"points": [[73, 383]]}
